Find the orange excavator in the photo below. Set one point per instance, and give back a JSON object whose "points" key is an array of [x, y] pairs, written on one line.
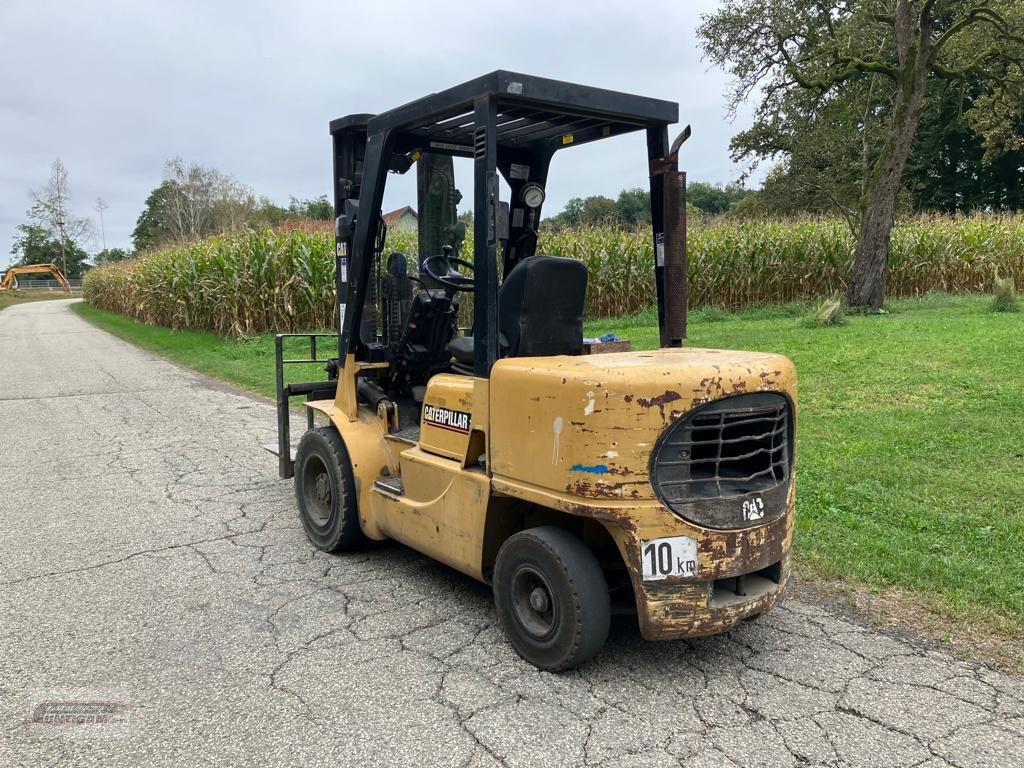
{"points": [[9, 281]]}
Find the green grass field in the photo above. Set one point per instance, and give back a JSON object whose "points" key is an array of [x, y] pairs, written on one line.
{"points": [[910, 439]]}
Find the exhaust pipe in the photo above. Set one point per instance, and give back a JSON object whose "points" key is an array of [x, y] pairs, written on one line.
{"points": [[674, 278]]}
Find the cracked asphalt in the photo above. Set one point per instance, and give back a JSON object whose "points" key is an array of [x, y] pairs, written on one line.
{"points": [[147, 547]]}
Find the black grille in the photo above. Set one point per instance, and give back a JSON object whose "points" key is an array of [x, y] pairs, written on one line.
{"points": [[729, 448]]}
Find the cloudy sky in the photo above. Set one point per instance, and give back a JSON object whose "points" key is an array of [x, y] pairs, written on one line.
{"points": [[115, 88]]}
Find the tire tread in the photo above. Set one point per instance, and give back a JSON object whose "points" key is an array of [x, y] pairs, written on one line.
{"points": [[588, 592], [349, 533]]}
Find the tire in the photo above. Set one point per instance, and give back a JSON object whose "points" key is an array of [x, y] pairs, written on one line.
{"points": [[326, 491], [552, 598]]}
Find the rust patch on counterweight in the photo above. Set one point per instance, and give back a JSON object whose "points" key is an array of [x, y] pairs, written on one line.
{"points": [[670, 396]]}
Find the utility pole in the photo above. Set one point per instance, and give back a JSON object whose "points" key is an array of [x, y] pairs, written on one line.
{"points": [[63, 250], [101, 206]]}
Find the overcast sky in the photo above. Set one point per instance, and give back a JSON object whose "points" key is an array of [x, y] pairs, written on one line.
{"points": [[116, 88]]}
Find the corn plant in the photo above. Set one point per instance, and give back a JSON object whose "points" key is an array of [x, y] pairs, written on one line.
{"points": [[272, 280]]}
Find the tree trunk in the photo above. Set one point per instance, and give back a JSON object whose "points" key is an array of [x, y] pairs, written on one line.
{"points": [[871, 259]]}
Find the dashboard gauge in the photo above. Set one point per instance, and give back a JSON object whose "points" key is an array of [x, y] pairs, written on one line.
{"points": [[533, 195]]}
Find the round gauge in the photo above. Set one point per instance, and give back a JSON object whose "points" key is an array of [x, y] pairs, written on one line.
{"points": [[533, 195]]}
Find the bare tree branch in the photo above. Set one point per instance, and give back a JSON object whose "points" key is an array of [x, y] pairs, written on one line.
{"points": [[50, 210]]}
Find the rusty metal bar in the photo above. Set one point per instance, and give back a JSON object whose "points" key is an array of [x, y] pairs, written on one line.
{"points": [[668, 202], [675, 256]]}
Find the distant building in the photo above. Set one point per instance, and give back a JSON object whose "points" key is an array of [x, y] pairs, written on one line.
{"points": [[404, 218]]}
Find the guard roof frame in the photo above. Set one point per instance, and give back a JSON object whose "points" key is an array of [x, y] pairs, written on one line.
{"points": [[503, 121], [516, 90]]}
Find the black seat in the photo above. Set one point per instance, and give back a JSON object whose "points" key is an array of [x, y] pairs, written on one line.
{"points": [[540, 310]]}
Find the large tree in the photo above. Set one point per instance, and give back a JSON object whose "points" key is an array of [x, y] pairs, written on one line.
{"points": [[587, 212], [824, 157], [815, 54], [190, 206], [826, 149], [150, 230], [948, 171], [195, 201]]}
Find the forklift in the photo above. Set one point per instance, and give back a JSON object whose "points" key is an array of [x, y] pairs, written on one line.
{"points": [[658, 484]]}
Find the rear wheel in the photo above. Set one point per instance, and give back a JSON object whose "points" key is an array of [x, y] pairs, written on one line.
{"points": [[325, 490], [552, 598]]}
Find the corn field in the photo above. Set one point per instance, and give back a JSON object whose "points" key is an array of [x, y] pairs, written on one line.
{"points": [[284, 281]]}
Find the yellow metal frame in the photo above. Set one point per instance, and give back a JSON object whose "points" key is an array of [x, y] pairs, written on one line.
{"points": [[7, 284]]}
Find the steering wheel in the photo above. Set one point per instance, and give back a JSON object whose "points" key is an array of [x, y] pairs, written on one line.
{"points": [[441, 269]]}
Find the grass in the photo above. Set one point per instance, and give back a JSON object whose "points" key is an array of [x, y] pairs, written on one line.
{"points": [[10, 298], [911, 457]]}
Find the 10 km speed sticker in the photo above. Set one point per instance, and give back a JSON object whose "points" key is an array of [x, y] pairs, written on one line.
{"points": [[670, 556]]}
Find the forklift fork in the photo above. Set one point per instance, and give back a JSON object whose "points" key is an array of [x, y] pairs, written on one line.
{"points": [[313, 390]]}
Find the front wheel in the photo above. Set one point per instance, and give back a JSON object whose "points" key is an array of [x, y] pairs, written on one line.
{"points": [[552, 598], [325, 490]]}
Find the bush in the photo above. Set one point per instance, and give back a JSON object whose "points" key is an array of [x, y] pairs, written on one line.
{"points": [[1005, 299], [829, 313]]}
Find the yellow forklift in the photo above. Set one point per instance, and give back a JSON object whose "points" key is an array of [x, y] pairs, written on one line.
{"points": [[657, 483]]}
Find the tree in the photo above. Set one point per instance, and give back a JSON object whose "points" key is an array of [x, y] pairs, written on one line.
{"points": [[50, 212], [815, 54], [234, 206], [187, 207], [587, 212], [947, 172], [315, 208], [707, 197], [598, 209], [111, 255], [269, 213], [193, 202], [150, 230], [634, 206], [36, 245], [825, 158], [572, 214], [714, 198]]}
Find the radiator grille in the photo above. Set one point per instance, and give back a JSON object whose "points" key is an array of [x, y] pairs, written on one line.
{"points": [[727, 448]]}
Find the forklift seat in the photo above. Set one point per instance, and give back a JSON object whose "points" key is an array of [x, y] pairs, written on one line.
{"points": [[540, 311]]}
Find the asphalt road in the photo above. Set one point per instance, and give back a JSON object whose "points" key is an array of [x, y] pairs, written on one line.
{"points": [[149, 556]]}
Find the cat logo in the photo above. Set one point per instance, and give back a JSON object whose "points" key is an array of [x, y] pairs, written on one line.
{"points": [[445, 418]]}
